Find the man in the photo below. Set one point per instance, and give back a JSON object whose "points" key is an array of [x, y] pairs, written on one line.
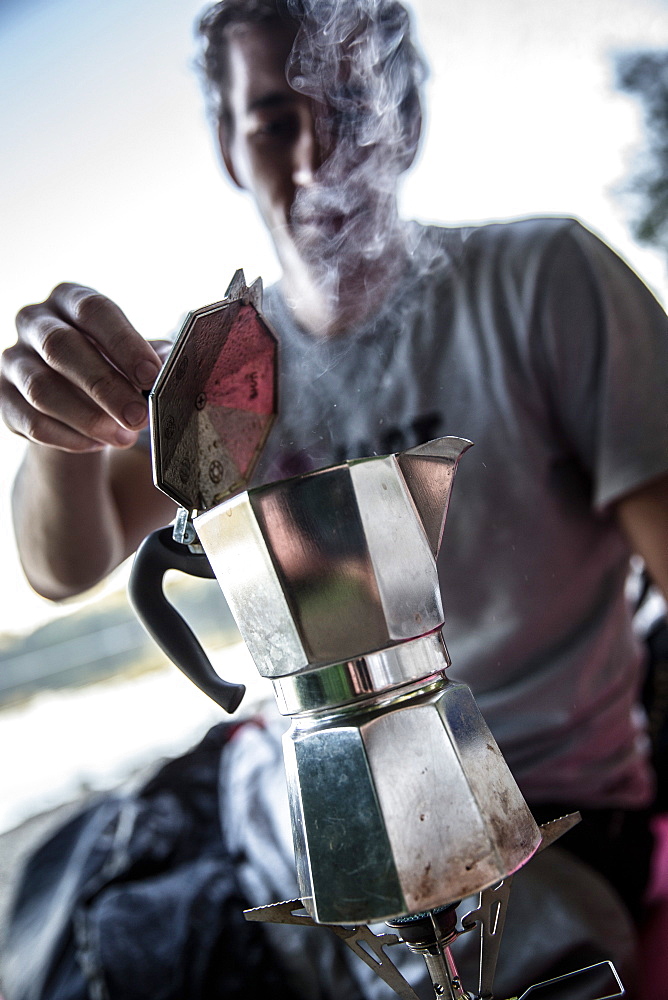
{"points": [[532, 339]]}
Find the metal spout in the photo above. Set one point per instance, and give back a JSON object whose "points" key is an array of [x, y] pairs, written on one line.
{"points": [[428, 471]]}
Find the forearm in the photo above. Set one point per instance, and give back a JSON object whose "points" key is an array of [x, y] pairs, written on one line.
{"points": [[68, 529], [643, 516], [73, 385]]}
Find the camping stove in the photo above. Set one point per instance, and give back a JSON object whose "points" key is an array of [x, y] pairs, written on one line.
{"points": [[401, 802]]}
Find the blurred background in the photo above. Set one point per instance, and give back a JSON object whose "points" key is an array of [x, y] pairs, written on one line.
{"points": [[109, 177]]}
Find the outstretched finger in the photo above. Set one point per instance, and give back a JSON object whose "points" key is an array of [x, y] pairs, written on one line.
{"points": [[31, 390], [106, 324], [40, 428], [64, 349]]}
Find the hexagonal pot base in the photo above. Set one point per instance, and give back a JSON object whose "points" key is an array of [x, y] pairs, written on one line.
{"points": [[399, 811]]}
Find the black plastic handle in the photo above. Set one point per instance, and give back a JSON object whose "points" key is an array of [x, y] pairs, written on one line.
{"points": [[156, 554]]}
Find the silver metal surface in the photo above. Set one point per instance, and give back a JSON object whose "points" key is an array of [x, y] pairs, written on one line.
{"points": [[243, 564], [593, 974], [435, 931], [407, 583], [399, 796], [344, 683], [428, 472], [444, 976], [430, 936], [184, 531], [602, 978], [214, 401], [556, 828], [333, 565], [400, 799], [363, 942], [491, 917], [402, 809]]}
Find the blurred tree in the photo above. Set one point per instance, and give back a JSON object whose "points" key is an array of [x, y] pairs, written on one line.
{"points": [[645, 75]]}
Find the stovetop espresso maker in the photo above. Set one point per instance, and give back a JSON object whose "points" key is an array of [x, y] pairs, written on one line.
{"points": [[401, 801]]}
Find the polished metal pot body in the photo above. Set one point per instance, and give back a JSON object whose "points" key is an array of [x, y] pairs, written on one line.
{"points": [[400, 798], [332, 565]]}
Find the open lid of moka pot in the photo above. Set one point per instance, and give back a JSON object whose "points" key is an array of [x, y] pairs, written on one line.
{"points": [[214, 402]]}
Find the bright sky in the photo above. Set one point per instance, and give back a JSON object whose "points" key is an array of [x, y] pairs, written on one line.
{"points": [[109, 175]]}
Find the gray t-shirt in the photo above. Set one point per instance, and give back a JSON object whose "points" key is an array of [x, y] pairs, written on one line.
{"points": [[535, 341]]}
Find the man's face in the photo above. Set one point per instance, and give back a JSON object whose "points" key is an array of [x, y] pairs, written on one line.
{"points": [[322, 166], [271, 150]]}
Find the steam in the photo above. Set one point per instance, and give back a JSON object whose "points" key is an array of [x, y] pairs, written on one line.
{"points": [[354, 59]]}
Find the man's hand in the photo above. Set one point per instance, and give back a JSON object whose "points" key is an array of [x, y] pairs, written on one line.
{"points": [[72, 386], [74, 379]]}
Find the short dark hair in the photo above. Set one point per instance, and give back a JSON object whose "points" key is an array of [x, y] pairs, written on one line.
{"points": [[388, 17], [213, 30]]}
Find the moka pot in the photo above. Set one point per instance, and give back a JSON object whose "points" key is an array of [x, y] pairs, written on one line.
{"points": [[400, 798]]}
